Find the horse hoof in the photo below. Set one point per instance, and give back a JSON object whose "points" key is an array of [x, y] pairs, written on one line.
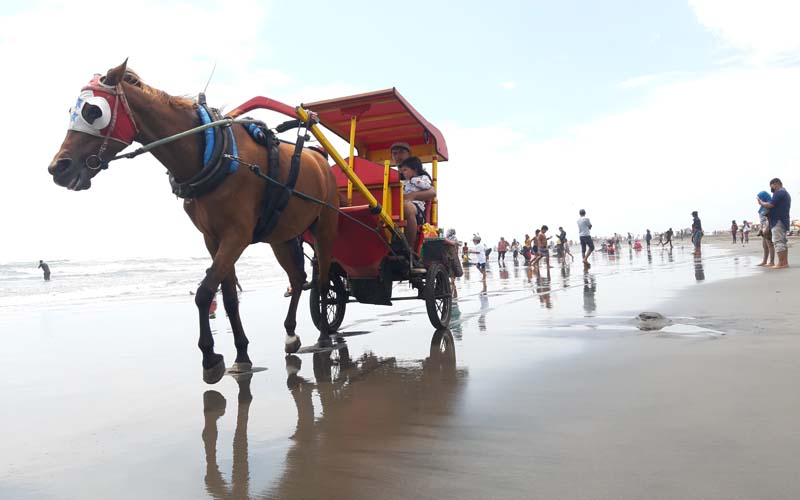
{"points": [[214, 374], [241, 367], [292, 344]]}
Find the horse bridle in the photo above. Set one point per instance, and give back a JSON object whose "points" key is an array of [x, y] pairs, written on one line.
{"points": [[96, 85]]}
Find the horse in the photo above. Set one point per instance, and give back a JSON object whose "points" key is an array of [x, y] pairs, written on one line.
{"points": [[119, 108]]}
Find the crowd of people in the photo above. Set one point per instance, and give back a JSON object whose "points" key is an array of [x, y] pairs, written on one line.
{"points": [[773, 227], [531, 251]]}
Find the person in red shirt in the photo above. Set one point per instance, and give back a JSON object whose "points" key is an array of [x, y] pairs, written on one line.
{"points": [[502, 248]]}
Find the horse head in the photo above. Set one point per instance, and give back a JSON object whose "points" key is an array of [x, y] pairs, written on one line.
{"points": [[101, 125]]}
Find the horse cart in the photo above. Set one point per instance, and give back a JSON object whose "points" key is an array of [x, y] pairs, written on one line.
{"points": [[352, 213], [371, 252]]}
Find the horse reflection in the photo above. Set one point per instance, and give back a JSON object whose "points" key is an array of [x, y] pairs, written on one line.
{"points": [[214, 408], [371, 408]]}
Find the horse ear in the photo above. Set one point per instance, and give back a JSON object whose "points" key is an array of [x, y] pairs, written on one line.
{"points": [[115, 75]]}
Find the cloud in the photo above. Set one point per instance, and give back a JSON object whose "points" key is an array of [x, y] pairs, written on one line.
{"points": [[130, 211], [638, 81], [508, 85], [706, 143], [766, 30]]}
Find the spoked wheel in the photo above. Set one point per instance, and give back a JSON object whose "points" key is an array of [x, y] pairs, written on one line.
{"points": [[438, 296], [337, 302]]}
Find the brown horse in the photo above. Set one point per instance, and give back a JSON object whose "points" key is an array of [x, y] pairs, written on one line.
{"points": [[120, 109]]}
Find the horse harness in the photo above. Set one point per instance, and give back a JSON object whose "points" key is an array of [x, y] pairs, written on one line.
{"points": [[277, 194], [220, 153], [216, 166]]}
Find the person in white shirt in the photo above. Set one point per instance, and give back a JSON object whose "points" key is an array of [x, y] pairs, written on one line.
{"points": [[584, 227], [479, 249]]}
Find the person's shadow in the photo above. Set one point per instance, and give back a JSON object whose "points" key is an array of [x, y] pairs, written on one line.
{"points": [[213, 408]]}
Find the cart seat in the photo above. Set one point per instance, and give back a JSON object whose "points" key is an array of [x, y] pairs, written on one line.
{"points": [[371, 174]]}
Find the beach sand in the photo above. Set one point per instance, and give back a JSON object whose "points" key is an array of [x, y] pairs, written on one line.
{"points": [[542, 389]]}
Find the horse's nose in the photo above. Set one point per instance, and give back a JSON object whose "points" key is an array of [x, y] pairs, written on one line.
{"points": [[59, 166]]}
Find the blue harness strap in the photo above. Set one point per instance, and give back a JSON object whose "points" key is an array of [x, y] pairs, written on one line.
{"points": [[216, 165], [208, 134], [208, 150]]}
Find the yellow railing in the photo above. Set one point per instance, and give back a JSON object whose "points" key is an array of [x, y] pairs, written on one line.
{"points": [[348, 171]]}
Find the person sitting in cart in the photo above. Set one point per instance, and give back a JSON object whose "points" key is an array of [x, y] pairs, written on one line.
{"points": [[418, 186], [400, 151]]}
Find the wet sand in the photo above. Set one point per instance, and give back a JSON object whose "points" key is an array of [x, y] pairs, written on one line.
{"points": [[542, 389]]}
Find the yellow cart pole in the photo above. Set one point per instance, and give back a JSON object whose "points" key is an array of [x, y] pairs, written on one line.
{"points": [[337, 158], [353, 121], [435, 202], [386, 195]]}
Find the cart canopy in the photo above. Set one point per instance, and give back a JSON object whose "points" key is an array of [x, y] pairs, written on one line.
{"points": [[383, 118]]}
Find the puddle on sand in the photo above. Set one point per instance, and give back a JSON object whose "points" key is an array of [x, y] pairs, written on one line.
{"points": [[683, 330], [672, 330]]}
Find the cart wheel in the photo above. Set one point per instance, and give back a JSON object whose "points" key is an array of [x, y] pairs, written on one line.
{"points": [[337, 301], [438, 296]]}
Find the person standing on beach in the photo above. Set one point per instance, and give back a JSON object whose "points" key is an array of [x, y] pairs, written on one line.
{"points": [[668, 236], [745, 233], [480, 249], [765, 233], [584, 227], [502, 248], [697, 233], [450, 236], [526, 250], [45, 269], [535, 247], [515, 251], [734, 230], [630, 240], [562, 240], [647, 238], [541, 246], [779, 208]]}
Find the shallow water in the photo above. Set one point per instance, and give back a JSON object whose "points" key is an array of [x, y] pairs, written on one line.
{"points": [[105, 400]]}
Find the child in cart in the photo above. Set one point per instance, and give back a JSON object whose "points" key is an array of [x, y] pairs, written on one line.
{"points": [[417, 181]]}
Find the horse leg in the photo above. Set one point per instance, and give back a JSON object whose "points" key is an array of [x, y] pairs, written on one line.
{"points": [[231, 300], [225, 255], [286, 253]]}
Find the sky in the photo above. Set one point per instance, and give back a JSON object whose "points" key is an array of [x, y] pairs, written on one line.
{"points": [[638, 112]]}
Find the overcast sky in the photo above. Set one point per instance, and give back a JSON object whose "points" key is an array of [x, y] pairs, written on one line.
{"points": [[639, 112]]}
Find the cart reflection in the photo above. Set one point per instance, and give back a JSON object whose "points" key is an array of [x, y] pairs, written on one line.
{"points": [[367, 408]]}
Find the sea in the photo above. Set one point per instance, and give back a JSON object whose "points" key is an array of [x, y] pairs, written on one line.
{"points": [[22, 285]]}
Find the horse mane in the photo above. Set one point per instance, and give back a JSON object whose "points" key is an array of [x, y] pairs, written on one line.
{"points": [[177, 102]]}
